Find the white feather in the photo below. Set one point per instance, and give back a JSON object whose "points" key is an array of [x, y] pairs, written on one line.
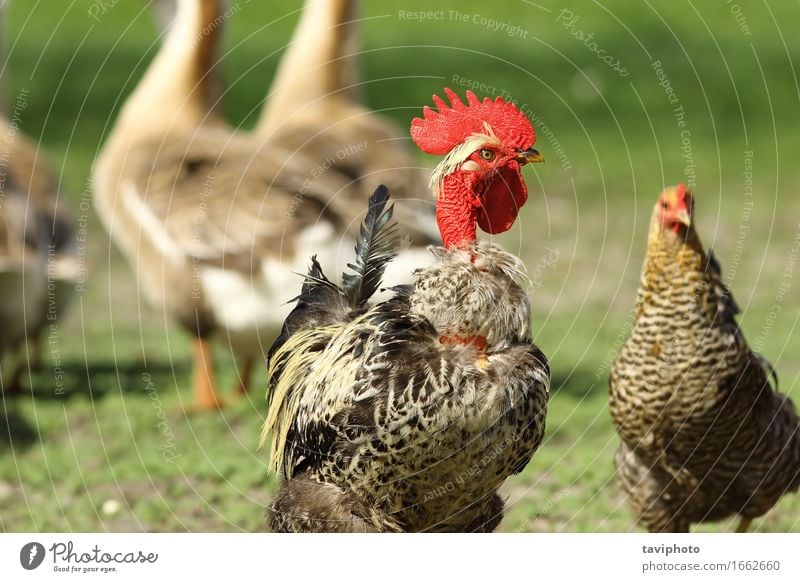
{"points": [[253, 311], [151, 224]]}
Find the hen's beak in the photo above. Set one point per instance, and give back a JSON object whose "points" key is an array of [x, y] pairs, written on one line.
{"points": [[530, 156], [683, 217]]}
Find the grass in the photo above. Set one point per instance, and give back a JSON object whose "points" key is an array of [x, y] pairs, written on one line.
{"points": [[111, 452]]}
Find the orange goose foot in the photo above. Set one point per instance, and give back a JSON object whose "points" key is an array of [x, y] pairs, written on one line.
{"points": [[205, 392], [243, 385]]}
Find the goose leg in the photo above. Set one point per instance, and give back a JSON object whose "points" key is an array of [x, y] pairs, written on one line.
{"points": [[204, 383], [744, 525], [14, 386], [36, 350], [245, 374]]}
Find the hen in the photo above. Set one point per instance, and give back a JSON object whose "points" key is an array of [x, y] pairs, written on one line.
{"points": [[704, 435]]}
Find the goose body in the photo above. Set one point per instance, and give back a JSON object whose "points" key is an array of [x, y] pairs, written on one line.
{"points": [[315, 107], [23, 275], [38, 256], [215, 222]]}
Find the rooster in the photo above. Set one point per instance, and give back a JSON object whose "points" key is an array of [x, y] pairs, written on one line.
{"points": [[704, 435], [408, 415]]}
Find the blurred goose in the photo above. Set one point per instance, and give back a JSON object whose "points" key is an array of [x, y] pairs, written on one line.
{"points": [[37, 251], [23, 273], [30, 173], [315, 107], [215, 223], [164, 13], [38, 256]]}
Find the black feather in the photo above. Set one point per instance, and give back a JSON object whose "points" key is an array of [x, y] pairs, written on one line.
{"points": [[374, 249], [728, 304], [320, 302], [313, 280], [729, 307], [768, 368]]}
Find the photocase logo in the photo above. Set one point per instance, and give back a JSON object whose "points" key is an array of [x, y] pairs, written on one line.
{"points": [[31, 555]]}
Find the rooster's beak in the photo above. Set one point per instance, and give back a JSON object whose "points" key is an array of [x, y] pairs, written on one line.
{"points": [[530, 156]]}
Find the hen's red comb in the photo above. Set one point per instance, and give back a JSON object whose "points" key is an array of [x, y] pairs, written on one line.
{"points": [[444, 129]]}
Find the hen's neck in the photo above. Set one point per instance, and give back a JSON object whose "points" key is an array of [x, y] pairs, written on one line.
{"points": [[674, 264]]}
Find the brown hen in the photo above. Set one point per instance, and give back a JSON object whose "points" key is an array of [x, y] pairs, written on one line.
{"points": [[704, 435]]}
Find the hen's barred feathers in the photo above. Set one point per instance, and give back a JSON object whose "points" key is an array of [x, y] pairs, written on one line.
{"points": [[374, 420], [704, 435]]}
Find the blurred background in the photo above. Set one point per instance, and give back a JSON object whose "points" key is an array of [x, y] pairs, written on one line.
{"points": [[626, 98]]}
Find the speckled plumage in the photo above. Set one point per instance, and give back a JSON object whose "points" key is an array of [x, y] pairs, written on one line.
{"points": [[377, 425], [704, 435]]}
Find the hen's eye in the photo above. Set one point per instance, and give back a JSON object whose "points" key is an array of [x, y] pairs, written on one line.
{"points": [[487, 154], [663, 205]]}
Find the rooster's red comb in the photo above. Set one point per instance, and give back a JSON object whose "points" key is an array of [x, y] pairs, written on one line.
{"points": [[440, 131]]}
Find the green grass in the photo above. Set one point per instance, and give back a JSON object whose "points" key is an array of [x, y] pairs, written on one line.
{"points": [[63, 457]]}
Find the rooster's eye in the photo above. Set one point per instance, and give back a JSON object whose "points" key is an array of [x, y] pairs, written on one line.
{"points": [[487, 154], [663, 205]]}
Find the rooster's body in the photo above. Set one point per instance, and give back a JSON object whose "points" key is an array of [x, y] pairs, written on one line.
{"points": [[408, 415], [704, 436], [419, 432]]}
